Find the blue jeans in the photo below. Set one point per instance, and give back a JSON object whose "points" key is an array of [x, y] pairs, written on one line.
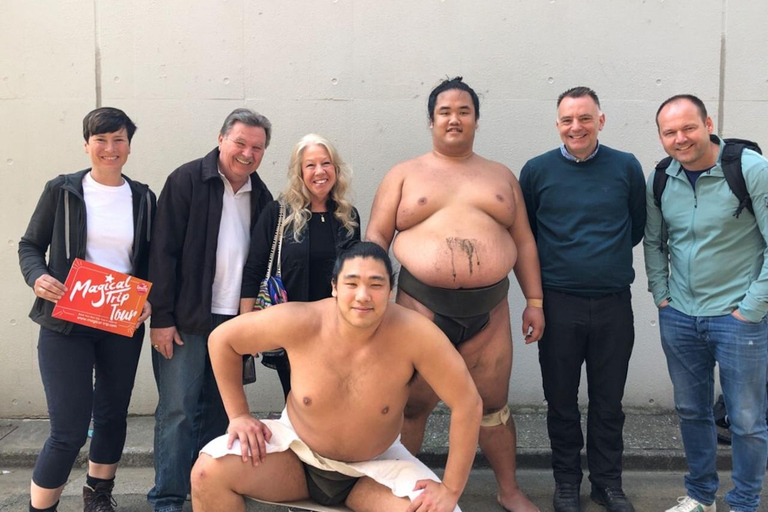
{"points": [[189, 414], [693, 345]]}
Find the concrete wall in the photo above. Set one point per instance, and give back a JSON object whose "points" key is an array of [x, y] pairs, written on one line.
{"points": [[358, 72]]}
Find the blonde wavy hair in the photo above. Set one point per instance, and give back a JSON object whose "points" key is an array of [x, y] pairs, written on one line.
{"points": [[297, 197]]}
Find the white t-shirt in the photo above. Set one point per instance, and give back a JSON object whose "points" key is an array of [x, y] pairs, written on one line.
{"points": [[109, 218], [232, 248]]}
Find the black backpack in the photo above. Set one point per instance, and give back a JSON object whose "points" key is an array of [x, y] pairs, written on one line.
{"points": [[731, 163]]}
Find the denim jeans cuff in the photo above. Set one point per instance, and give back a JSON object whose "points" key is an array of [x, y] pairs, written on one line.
{"points": [[170, 508]]}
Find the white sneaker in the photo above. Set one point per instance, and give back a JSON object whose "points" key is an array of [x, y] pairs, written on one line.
{"points": [[688, 504]]}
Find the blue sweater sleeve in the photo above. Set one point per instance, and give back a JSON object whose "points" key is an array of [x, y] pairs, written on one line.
{"points": [[637, 209], [529, 197]]}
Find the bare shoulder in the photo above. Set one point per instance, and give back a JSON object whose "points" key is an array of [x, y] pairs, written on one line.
{"points": [[394, 178], [285, 325], [391, 186], [406, 326], [304, 317], [497, 169], [414, 164], [397, 314], [495, 166], [413, 338]]}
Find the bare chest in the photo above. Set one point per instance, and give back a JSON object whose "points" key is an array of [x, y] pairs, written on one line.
{"points": [[331, 382], [454, 194]]}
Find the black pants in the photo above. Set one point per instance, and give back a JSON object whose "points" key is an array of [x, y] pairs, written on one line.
{"points": [[600, 331], [87, 372]]}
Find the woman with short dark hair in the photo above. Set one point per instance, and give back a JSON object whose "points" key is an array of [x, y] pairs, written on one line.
{"points": [[98, 215]]}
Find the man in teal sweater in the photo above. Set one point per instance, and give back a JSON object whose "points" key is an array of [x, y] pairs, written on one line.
{"points": [[586, 208]]}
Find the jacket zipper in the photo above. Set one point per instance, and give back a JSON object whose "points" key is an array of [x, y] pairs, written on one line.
{"points": [[137, 232]]}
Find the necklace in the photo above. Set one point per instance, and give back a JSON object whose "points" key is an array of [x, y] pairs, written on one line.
{"points": [[321, 214]]}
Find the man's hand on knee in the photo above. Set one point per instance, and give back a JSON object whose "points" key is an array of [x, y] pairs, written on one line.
{"points": [[253, 436]]}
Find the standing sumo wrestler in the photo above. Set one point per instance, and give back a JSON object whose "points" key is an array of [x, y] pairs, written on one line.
{"points": [[461, 228]]}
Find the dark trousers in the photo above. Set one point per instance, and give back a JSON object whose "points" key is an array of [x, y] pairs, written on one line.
{"points": [[600, 331], [86, 372]]}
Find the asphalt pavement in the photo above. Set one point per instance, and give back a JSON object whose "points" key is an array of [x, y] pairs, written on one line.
{"points": [[654, 465]]}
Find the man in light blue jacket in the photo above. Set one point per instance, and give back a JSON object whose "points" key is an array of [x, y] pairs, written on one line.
{"points": [[708, 272]]}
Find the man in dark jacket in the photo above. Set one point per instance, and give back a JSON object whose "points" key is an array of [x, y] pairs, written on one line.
{"points": [[206, 213]]}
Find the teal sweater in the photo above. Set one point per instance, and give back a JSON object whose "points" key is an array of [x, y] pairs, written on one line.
{"points": [[586, 217], [704, 260]]}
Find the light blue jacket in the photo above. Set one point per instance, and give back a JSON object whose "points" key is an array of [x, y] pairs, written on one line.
{"points": [[701, 258]]}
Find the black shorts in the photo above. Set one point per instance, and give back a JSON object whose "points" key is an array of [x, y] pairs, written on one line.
{"points": [[459, 313], [328, 487]]}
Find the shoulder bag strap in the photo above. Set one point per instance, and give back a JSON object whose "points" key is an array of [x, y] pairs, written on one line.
{"points": [[279, 233], [274, 244]]}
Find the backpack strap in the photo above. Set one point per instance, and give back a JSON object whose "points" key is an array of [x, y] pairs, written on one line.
{"points": [[660, 180], [734, 176], [748, 144]]}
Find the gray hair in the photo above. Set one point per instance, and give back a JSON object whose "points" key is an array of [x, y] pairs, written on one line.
{"points": [[249, 117]]}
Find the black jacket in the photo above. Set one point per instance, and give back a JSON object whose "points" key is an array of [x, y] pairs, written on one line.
{"points": [[182, 262], [295, 255], [61, 208]]}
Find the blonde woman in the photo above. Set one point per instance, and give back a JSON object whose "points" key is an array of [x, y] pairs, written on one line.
{"points": [[318, 220]]}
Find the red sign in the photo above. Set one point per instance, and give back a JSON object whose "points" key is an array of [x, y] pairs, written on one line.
{"points": [[102, 298]]}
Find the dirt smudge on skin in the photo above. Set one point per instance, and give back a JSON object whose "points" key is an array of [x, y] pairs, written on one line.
{"points": [[463, 248]]}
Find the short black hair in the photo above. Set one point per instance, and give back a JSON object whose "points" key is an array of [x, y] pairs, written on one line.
{"points": [[363, 250], [579, 92], [446, 85], [107, 120], [690, 97]]}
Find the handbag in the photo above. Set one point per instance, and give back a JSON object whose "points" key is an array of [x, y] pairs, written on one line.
{"points": [[271, 290]]}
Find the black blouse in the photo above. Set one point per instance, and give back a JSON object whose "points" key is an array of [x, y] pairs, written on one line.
{"points": [[306, 265]]}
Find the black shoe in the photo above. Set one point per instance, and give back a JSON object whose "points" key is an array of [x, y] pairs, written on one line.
{"points": [[612, 498], [722, 425], [566, 498], [100, 498]]}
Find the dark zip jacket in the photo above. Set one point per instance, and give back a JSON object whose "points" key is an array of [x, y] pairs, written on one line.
{"points": [[186, 234], [295, 255], [59, 222]]}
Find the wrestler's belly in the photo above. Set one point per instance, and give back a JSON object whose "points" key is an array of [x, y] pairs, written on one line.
{"points": [[345, 436], [461, 249]]}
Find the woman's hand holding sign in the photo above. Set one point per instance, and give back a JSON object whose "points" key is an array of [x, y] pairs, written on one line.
{"points": [[49, 288]]}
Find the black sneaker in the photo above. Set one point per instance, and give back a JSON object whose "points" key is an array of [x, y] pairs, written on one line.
{"points": [[566, 498], [100, 498], [612, 498]]}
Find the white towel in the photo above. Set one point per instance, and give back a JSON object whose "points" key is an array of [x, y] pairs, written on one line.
{"points": [[396, 468]]}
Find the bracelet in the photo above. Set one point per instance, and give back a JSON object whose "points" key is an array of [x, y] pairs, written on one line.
{"points": [[535, 303]]}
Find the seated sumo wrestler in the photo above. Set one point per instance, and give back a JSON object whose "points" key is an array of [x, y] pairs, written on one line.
{"points": [[353, 357]]}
